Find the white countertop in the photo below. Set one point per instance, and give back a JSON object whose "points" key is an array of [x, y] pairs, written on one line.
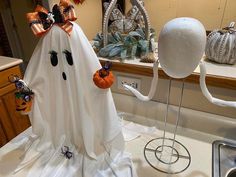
{"points": [[198, 144], [220, 70], [7, 62]]}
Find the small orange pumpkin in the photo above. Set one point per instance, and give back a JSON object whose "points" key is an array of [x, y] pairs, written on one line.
{"points": [[103, 78]]}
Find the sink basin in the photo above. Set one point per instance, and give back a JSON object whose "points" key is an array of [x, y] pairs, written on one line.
{"points": [[231, 173], [224, 159]]}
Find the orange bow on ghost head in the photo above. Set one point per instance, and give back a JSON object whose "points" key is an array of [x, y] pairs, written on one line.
{"points": [[42, 20]]}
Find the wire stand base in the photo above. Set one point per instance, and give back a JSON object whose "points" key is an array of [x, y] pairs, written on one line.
{"points": [[165, 158], [166, 154]]}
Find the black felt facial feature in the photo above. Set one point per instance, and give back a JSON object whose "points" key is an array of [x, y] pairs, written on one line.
{"points": [[54, 60], [53, 57], [64, 76], [68, 57]]}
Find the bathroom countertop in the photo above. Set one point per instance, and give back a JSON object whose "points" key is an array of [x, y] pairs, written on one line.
{"points": [[7, 62], [214, 69], [198, 144], [199, 149]]}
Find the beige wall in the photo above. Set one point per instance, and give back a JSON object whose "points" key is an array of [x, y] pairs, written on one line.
{"points": [[213, 14]]}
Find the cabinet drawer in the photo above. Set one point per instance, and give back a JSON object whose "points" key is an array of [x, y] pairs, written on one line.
{"points": [[19, 122], [6, 73]]}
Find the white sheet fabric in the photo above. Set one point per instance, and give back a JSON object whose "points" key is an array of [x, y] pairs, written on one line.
{"points": [[71, 112], [132, 131], [116, 164]]}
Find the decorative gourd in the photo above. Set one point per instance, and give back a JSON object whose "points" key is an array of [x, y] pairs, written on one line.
{"points": [[221, 45], [23, 102], [103, 78], [23, 96]]}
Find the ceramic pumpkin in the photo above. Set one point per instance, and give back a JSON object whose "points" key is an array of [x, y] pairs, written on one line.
{"points": [[23, 102], [23, 96], [221, 45], [103, 78]]}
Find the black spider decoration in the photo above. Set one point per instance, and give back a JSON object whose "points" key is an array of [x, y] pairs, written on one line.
{"points": [[66, 152]]}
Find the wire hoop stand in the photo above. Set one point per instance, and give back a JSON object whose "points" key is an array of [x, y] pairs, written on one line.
{"points": [[166, 154]]}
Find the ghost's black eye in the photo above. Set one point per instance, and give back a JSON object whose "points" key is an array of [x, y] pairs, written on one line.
{"points": [[68, 57], [53, 57]]}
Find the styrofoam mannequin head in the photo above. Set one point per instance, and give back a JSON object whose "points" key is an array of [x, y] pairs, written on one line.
{"points": [[181, 46]]}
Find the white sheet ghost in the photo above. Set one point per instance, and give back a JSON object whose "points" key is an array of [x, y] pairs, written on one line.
{"points": [[67, 102], [77, 131]]}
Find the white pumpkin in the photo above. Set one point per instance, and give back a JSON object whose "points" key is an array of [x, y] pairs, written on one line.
{"points": [[221, 45]]}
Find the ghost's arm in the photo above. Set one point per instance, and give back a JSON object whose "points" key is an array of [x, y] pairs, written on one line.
{"points": [[153, 85], [208, 95]]}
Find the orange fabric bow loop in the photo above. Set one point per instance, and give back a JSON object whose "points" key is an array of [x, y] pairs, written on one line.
{"points": [[42, 20]]}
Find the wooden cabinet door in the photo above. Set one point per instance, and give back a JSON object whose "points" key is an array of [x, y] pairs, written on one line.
{"points": [[6, 123], [3, 138], [12, 122]]}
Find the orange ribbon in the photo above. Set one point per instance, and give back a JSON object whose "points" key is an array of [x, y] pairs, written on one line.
{"points": [[42, 20]]}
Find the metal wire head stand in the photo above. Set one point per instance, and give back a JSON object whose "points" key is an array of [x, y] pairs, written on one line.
{"points": [[168, 155]]}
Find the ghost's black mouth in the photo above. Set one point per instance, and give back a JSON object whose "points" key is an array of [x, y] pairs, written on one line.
{"points": [[64, 76]]}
